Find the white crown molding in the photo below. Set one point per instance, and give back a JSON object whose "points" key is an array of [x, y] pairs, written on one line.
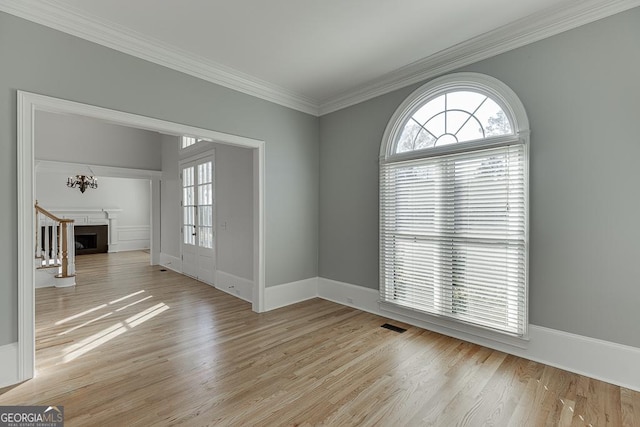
{"points": [[69, 168], [524, 31], [527, 30], [72, 21]]}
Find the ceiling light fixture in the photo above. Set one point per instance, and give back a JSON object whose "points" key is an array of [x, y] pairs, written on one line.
{"points": [[82, 182]]}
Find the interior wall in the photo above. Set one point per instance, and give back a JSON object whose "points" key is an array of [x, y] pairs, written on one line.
{"points": [[41, 60], [130, 195], [582, 95], [234, 210], [170, 215], [77, 139]]}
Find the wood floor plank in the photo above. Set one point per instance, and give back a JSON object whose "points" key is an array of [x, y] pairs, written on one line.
{"points": [[132, 345], [630, 402]]}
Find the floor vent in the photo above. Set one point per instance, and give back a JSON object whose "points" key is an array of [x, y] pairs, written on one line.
{"points": [[394, 328]]}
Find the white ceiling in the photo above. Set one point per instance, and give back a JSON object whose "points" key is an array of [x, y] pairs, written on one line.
{"points": [[318, 48], [318, 52]]}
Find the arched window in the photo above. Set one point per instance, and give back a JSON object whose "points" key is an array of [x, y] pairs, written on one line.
{"points": [[453, 204]]}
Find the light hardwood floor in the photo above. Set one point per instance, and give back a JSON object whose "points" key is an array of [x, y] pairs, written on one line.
{"points": [[131, 345]]}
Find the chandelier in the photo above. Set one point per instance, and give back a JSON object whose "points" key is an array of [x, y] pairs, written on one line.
{"points": [[82, 182]]}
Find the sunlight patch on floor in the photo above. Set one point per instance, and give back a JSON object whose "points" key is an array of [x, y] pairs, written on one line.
{"points": [[95, 340], [126, 297], [86, 345], [86, 323], [134, 303], [147, 314], [75, 316], [101, 306]]}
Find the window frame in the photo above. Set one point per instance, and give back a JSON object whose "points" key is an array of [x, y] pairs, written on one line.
{"points": [[194, 146], [516, 114]]}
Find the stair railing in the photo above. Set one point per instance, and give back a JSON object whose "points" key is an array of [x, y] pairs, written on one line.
{"points": [[55, 243]]}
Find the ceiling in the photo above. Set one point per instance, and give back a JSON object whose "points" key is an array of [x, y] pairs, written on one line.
{"points": [[316, 56]]}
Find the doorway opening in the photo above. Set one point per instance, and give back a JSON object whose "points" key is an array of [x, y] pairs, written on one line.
{"points": [[28, 105]]}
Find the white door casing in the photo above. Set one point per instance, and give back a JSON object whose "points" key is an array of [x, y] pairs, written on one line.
{"points": [[27, 104]]}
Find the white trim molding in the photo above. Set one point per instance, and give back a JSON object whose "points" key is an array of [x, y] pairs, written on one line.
{"points": [[28, 104], [290, 293], [45, 277], [133, 237], [171, 262], [63, 17], [538, 26], [552, 21], [234, 285], [52, 166], [9, 365], [602, 360], [87, 216]]}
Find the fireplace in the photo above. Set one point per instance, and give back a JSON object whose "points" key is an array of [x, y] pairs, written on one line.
{"points": [[91, 239]]}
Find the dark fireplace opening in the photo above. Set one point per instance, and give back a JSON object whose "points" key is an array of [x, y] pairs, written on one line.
{"points": [[91, 239], [86, 241]]}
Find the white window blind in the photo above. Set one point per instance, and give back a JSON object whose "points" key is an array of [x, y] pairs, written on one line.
{"points": [[453, 236]]}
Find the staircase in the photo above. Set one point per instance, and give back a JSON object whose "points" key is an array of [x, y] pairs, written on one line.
{"points": [[54, 260]]}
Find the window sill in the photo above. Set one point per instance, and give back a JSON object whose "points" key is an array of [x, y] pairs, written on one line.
{"points": [[452, 328]]}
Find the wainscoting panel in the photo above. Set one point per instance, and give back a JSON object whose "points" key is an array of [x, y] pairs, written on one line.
{"points": [[133, 237]]}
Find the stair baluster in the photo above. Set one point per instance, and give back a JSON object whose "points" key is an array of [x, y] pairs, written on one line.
{"points": [[52, 247]]}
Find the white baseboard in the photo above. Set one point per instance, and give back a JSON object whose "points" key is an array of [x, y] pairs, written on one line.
{"points": [[9, 365], [171, 262], [290, 293], [234, 285], [45, 277], [136, 245], [602, 360], [359, 297]]}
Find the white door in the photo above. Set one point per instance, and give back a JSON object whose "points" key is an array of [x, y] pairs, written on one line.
{"points": [[198, 255]]}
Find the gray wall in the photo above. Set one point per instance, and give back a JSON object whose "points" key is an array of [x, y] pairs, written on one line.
{"points": [[38, 59], [170, 236], [581, 91], [71, 138], [234, 210]]}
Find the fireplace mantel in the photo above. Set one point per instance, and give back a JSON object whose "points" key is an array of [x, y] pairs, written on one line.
{"points": [[104, 216]]}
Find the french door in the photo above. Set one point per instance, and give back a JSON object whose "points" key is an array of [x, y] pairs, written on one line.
{"points": [[198, 235]]}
